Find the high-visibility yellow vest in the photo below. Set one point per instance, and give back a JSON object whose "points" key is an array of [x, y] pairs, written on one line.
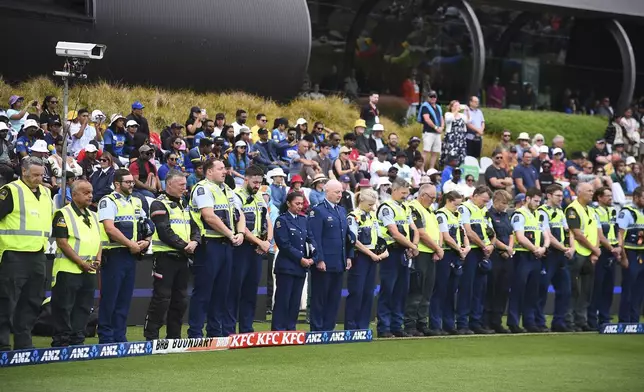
{"points": [[179, 223], [128, 212], [429, 222], [84, 240], [531, 230], [368, 228], [223, 208], [252, 207], [28, 227], [634, 234], [453, 225], [477, 222], [608, 219], [401, 218], [588, 227], [556, 222]]}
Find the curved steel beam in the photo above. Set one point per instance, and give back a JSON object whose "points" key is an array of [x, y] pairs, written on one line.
{"points": [[628, 64], [478, 46]]}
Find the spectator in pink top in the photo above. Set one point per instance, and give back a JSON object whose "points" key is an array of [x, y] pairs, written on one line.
{"points": [[558, 168], [495, 95]]}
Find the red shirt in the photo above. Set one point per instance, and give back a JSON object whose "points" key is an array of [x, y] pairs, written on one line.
{"points": [[81, 155], [135, 170]]}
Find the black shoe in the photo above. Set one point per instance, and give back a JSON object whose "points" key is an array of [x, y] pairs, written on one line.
{"points": [[465, 331], [268, 312], [500, 329], [533, 329], [414, 332], [401, 334], [385, 335], [482, 331], [433, 332], [453, 332], [562, 328], [543, 328], [577, 328], [516, 329], [588, 328]]}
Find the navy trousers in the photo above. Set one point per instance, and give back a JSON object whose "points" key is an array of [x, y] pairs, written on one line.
{"points": [[554, 270], [630, 307], [361, 281], [471, 291], [242, 297], [498, 290], [326, 293], [599, 309], [288, 295], [118, 272], [211, 271], [441, 305], [394, 285], [524, 290]]}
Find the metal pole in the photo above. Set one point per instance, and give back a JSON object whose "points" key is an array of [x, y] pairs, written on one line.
{"points": [[63, 185]]}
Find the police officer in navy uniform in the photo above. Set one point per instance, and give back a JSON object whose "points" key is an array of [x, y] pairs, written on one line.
{"points": [[329, 229], [176, 237], [296, 253]]}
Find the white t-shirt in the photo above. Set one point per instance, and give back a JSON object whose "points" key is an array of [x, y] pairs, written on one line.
{"points": [[404, 172], [78, 144], [16, 124], [377, 166], [236, 127]]}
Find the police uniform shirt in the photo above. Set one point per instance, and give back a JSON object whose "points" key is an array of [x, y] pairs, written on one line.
{"points": [[203, 197], [545, 221], [161, 219], [443, 226], [353, 225], [573, 221], [625, 219], [465, 215], [386, 215], [107, 209], [59, 225], [518, 222]]}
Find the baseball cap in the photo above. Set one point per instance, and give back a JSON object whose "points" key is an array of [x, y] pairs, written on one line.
{"points": [[377, 127], [53, 121], [195, 109], [556, 151], [40, 146], [344, 178], [91, 148], [544, 150], [145, 148], [241, 143], [262, 131], [137, 105], [244, 130], [600, 141], [630, 161], [432, 94], [457, 170], [393, 169], [523, 136], [15, 98], [519, 198], [401, 154], [360, 123], [300, 121], [218, 140], [383, 151], [3, 126], [132, 123], [31, 123], [432, 171], [414, 139]]}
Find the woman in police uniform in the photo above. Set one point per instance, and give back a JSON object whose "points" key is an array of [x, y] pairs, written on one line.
{"points": [[291, 262], [362, 276]]}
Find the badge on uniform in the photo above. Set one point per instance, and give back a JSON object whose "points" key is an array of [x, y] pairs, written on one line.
{"points": [[622, 214], [439, 218], [349, 220], [312, 214], [386, 212], [278, 224], [516, 219], [103, 204], [329, 218], [572, 214], [3, 194], [200, 191], [61, 222]]}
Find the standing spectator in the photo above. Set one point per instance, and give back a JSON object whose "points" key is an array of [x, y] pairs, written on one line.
{"points": [[323, 161], [240, 119], [49, 111], [496, 177], [370, 112], [193, 125], [431, 116], [169, 134], [404, 171], [375, 140], [260, 123], [455, 129], [525, 175], [631, 131], [545, 177], [558, 169], [524, 144], [146, 179], [102, 178], [17, 112], [137, 115], [115, 136], [239, 161], [475, 128], [598, 155], [81, 132], [496, 95], [411, 93], [528, 97], [514, 92], [544, 100]]}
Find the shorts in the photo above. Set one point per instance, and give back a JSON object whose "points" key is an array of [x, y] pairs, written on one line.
{"points": [[432, 142]]}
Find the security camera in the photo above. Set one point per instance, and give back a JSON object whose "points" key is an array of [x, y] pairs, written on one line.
{"points": [[80, 50]]}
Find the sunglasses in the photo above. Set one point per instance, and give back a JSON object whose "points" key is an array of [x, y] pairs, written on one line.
{"points": [[179, 142], [172, 159], [241, 147], [103, 160], [470, 180], [320, 128], [498, 158], [263, 120], [53, 101], [506, 135], [432, 96]]}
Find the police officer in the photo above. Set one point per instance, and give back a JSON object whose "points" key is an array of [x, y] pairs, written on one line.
{"points": [[530, 245], [120, 215], [599, 309], [450, 267], [396, 227], [471, 289], [173, 243], [584, 224], [424, 265], [555, 265], [247, 268], [295, 255], [25, 223], [329, 229], [78, 238], [361, 280], [498, 284], [631, 239], [213, 209]]}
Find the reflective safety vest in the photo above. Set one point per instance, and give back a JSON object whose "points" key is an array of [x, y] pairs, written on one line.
{"points": [[401, 218], [28, 227], [84, 240], [453, 225], [634, 234], [223, 208], [608, 219], [429, 223], [179, 223], [588, 226], [556, 222], [478, 222], [252, 207], [368, 228], [128, 212], [531, 229]]}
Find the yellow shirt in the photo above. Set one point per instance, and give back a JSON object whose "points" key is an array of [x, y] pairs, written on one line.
{"points": [[254, 136]]}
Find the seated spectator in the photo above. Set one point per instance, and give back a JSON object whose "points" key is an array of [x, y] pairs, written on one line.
{"points": [[384, 189], [392, 147], [350, 143], [138, 140], [81, 154], [244, 135], [229, 137], [334, 150], [287, 148], [348, 197], [131, 128], [296, 186], [102, 178], [318, 133], [545, 177], [496, 177], [323, 161], [56, 162], [634, 179], [376, 142], [178, 148], [207, 131], [417, 171], [537, 141], [239, 161], [193, 125], [455, 183], [301, 128], [198, 153], [170, 164], [525, 175], [18, 112], [362, 143], [137, 115], [25, 142], [435, 179], [523, 144], [196, 176], [267, 156], [599, 155], [301, 165], [603, 179], [380, 166], [146, 179], [404, 171], [40, 150], [542, 157], [280, 127], [512, 160], [344, 167], [7, 157], [569, 192], [469, 186], [392, 174], [49, 112], [277, 187], [70, 178], [169, 134], [452, 163], [558, 142], [115, 137], [573, 165], [311, 153], [412, 151], [81, 132], [619, 151], [89, 160], [54, 128], [317, 194], [619, 174], [558, 169], [99, 124]]}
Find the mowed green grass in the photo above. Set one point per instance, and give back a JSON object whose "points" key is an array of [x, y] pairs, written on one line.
{"points": [[548, 362]]}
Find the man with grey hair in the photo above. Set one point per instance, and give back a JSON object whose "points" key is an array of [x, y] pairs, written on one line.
{"points": [[398, 230], [301, 165], [26, 210], [174, 242], [558, 142], [329, 229]]}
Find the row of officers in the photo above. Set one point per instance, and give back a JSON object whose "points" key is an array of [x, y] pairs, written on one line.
{"points": [[452, 270]]}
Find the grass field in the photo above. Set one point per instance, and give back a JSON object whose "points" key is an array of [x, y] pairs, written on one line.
{"points": [[555, 362]]}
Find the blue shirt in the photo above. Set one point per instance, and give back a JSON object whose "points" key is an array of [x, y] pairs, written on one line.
{"points": [[116, 140], [316, 197], [277, 136], [528, 174], [447, 174], [334, 153], [238, 165]]}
